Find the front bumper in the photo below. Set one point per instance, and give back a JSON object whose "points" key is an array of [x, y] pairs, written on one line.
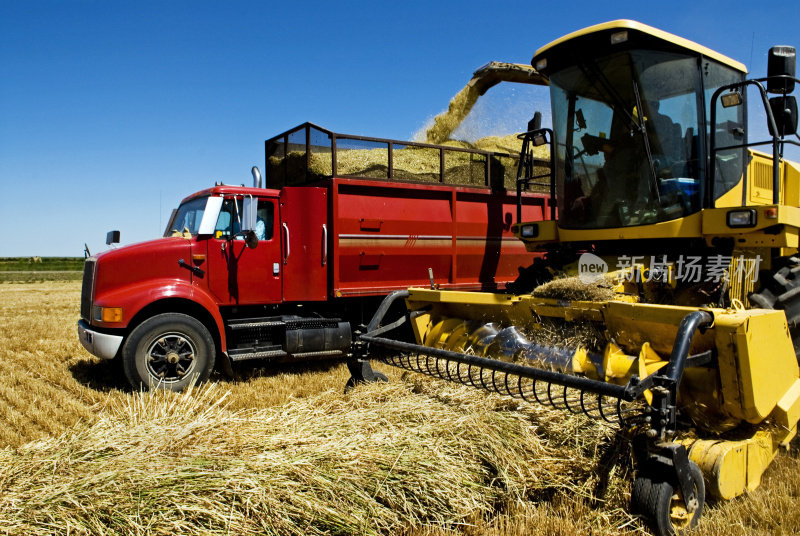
{"points": [[101, 345]]}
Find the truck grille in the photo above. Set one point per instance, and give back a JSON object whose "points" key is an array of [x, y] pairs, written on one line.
{"points": [[87, 289]]}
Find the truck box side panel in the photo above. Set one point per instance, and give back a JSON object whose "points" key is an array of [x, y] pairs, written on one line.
{"points": [[387, 235], [487, 251]]}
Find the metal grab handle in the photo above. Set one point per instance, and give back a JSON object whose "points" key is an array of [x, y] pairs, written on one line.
{"points": [[288, 250], [324, 244]]}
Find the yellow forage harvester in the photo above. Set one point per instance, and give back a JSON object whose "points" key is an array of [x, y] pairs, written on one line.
{"points": [[666, 294]]}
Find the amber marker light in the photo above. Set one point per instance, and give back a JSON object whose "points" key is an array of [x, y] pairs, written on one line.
{"points": [[108, 314]]}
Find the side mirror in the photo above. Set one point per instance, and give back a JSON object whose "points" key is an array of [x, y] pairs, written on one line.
{"points": [[249, 217], [112, 237], [536, 122], [781, 62], [250, 239], [784, 110]]}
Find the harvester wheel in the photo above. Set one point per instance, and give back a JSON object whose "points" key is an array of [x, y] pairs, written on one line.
{"points": [[640, 494], [664, 506], [168, 351], [782, 291]]}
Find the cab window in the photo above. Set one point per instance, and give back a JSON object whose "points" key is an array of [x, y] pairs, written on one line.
{"points": [[230, 217]]}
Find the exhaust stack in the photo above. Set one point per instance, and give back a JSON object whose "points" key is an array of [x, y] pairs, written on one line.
{"points": [[256, 177]]}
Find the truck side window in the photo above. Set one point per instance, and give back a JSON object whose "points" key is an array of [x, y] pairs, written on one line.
{"points": [[228, 220], [230, 216], [265, 220]]}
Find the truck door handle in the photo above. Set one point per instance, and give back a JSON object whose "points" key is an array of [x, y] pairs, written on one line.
{"points": [[288, 250], [324, 244]]}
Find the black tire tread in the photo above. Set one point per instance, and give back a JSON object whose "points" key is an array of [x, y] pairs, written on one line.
{"points": [[660, 498], [161, 321], [782, 291]]}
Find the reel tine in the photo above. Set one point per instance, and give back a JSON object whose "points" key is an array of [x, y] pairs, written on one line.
{"points": [[566, 401], [519, 388], [583, 405], [620, 418], [483, 383], [600, 408], [494, 383], [573, 399], [550, 395], [536, 394]]}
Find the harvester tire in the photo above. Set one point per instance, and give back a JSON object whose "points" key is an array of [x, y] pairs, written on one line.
{"points": [[664, 506], [169, 351], [639, 495], [782, 291]]}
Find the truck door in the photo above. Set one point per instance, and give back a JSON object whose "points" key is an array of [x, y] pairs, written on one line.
{"points": [[304, 238], [239, 275]]}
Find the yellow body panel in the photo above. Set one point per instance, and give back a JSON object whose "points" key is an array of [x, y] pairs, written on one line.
{"points": [[787, 412], [707, 224], [733, 467], [757, 364]]}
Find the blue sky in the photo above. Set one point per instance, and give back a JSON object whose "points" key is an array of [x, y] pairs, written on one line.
{"points": [[111, 112]]}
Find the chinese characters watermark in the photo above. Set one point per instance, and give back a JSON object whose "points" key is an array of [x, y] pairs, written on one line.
{"points": [[684, 268]]}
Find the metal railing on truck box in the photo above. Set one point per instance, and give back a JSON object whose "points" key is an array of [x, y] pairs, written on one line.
{"points": [[309, 153]]}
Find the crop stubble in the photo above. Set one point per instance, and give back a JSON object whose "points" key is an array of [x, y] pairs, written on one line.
{"points": [[289, 453]]}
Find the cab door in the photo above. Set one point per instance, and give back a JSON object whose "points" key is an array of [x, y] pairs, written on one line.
{"points": [[304, 237], [237, 274]]}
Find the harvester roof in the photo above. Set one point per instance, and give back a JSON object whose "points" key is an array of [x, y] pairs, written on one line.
{"points": [[620, 33]]}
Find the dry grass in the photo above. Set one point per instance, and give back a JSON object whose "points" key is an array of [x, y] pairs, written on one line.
{"points": [[286, 452], [572, 288]]}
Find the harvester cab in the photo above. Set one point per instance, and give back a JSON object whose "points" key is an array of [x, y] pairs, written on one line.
{"points": [[672, 306]]}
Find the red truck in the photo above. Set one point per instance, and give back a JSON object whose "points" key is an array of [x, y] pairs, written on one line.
{"points": [[287, 271]]}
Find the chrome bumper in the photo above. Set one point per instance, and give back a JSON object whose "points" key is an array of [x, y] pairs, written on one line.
{"points": [[101, 345]]}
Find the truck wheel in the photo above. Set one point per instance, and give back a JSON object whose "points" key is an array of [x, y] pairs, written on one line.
{"points": [[663, 505], [168, 351], [782, 291]]}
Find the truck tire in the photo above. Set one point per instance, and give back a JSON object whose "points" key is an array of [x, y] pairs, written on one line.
{"points": [[781, 290], [169, 351]]}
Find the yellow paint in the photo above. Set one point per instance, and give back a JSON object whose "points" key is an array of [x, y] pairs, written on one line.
{"points": [[787, 412], [757, 363], [731, 468], [644, 28]]}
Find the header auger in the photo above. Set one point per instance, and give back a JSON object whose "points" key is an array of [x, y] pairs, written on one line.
{"points": [[652, 172]]}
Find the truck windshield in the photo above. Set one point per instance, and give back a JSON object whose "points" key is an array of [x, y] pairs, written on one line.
{"points": [[627, 144], [189, 216]]}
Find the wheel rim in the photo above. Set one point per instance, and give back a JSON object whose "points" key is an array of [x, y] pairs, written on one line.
{"points": [[170, 357], [679, 516]]}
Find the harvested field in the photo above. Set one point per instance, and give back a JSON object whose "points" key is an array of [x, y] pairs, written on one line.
{"points": [[286, 452]]}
